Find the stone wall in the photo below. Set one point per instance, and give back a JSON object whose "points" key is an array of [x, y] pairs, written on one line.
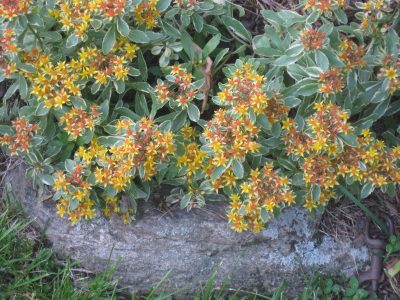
{"points": [[192, 245]]}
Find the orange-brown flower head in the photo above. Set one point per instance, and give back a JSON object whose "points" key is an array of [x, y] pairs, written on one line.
{"points": [[312, 39], [331, 82]]}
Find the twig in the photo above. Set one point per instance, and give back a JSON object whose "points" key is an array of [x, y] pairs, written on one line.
{"points": [[206, 70]]}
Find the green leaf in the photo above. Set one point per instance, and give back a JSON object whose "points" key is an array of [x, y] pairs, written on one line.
{"points": [[126, 112], [162, 5], [313, 17], [285, 60], [72, 40], [287, 164], [23, 87], [187, 44], [276, 129], [237, 168], [122, 27], [104, 109], [341, 16], [295, 50], [349, 139], [185, 19], [138, 36], [392, 42], [220, 56], [41, 110], [264, 122], [171, 31], [315, 192], [35, 19], [51, 36], [141, 105], [109, 140], [108, 40], [353, 282], [298, 179], [193, 112], [185, 201], [321, 60], [237, 27], [219, 171], [211, 45], [11, 90], [133, 72], [119, 86], [69, 165], [47, 179], [73, 204], [139, 86], [179, 121], [142, 65], [198, 22], [4, 129], [291, 101], [308, 89], [367, 189], [96, 24]]}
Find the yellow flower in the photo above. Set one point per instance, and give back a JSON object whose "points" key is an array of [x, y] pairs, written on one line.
{"points": [[287, 124], [269, 206], [60, 182], [391, 73], [310, 205]]}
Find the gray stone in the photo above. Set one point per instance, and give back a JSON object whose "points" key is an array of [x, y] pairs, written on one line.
{"points": [[193, 245]]}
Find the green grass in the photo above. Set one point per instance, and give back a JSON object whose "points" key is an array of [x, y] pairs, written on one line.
{"points": [[28, 270]]}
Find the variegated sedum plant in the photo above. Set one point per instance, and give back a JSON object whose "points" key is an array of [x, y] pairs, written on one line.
{"points": [[108, 99]]}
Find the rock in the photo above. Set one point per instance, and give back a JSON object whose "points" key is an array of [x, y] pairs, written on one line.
{"points": [[193, 245]]}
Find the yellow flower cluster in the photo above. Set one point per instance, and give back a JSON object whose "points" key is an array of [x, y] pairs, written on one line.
{"points": [[7, 42], [372, 12], [146, 13], [312, 39], [244, 92], [77, 121], [351, 54], [328, 121], [331, 82], [229, 137], [56, 83], [8, 47], [92, 64], [260, 195], [391, 70], [186, 4], [372, 161], [75, 201], [325, 6], [180, 91], [20, 140], [77, 15], [10, 9], [326, 159], [141, 148], [192, 159]]}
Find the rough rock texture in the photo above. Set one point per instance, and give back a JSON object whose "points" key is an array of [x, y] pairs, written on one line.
{"points": [[193, 245]]}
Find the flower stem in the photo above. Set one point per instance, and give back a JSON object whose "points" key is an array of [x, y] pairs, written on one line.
{"points": [[365, 209]]}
